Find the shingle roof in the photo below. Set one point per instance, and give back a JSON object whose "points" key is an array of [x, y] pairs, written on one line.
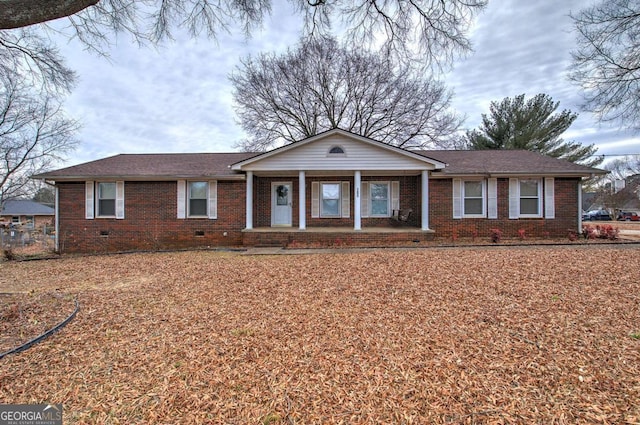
{"points": [[217, 165], [25, 207], [156, 166], [505, 162]]}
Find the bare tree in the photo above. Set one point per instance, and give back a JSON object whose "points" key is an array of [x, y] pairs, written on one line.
{"points": [[430, 31], [607, 60], [624, 167], [33, 133], [321, 85]]}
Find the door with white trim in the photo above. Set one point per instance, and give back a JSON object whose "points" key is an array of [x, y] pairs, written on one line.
{"points": [[281, 203]]}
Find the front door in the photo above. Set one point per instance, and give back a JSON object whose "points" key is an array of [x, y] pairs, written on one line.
{"points": [[281, 204]]}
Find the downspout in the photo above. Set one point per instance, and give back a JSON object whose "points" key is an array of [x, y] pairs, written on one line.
{"points": [[56, 220], [56, 215]]}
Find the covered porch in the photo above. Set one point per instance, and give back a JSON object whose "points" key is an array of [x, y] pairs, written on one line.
{"points": [[311, 237], [336, 188]]}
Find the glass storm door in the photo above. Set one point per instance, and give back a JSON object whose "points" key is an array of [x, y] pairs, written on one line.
{"points": [[281, 204]]}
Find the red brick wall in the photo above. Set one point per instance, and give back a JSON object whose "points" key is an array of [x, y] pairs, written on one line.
{"points": [[150, 216], [441, 213], [150, 221]]}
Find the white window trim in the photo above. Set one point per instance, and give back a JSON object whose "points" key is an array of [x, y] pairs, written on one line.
{"points": [[389, 195], [92, 200], [321, 198], [98, 212], [484, 198], [539, 197], [183, 198], [206, 200]]}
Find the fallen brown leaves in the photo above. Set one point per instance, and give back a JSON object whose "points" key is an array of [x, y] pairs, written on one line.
{"points": [[494, 335]]}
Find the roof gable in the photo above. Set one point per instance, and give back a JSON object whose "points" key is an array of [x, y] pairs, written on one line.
{"points": [[321, 153]]}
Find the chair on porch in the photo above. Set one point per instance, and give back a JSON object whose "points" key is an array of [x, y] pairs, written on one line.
{"points": [[402, 214]]}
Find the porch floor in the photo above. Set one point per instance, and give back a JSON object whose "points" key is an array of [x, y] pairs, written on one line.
{"points": [[399, 229], [334, 236]]}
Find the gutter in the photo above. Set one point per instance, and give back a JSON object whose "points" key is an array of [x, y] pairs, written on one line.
{"points": [[76, 178]]}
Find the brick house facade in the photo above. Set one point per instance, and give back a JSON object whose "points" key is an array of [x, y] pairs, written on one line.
{"points": [[335, 188]]}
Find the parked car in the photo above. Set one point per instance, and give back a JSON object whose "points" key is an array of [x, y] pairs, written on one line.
{"points": [[628, 216], [598, 215]]}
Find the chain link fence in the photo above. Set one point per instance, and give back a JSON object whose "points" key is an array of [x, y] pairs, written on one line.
{"points": [[17, 237]]}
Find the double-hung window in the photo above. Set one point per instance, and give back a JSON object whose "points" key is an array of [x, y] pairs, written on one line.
{"points": [[330, 205], [530, 198], [379, 198], [197, 199], [473, 195], [330, 199], [106, 199], [475, 198], [198, 192]]}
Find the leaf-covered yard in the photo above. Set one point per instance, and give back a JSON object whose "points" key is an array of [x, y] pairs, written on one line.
{"points": [[483, 335]]}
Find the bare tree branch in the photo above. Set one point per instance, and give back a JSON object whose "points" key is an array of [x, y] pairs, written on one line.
{"points": [[33, 133], [606, 63], [429, 32]]}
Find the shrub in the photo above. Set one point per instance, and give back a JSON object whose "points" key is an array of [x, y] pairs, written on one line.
{"points": [[521, 234], [496, 235], [606, 231]]}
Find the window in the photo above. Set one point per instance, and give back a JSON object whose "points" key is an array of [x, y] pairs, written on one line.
{"points": [[15, 219], [104, 199], [330, 199], [336, 150], [473, 198], [107, 199], [198, 199], [526, 199], [530, 198], [330, 205], [379, 195]]}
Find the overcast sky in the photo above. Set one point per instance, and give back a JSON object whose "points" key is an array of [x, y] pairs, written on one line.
{"points": [[177, 97]]}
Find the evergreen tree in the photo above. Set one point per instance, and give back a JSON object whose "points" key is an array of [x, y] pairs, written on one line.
{"points": [[531, 125]]}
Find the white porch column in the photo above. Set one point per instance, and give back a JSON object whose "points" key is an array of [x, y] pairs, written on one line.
{"points": [[425, 200], [356, 201], [249, 202], [302, 216]]}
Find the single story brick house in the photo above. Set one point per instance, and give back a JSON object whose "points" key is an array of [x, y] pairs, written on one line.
{"points": [[335, 188]]}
